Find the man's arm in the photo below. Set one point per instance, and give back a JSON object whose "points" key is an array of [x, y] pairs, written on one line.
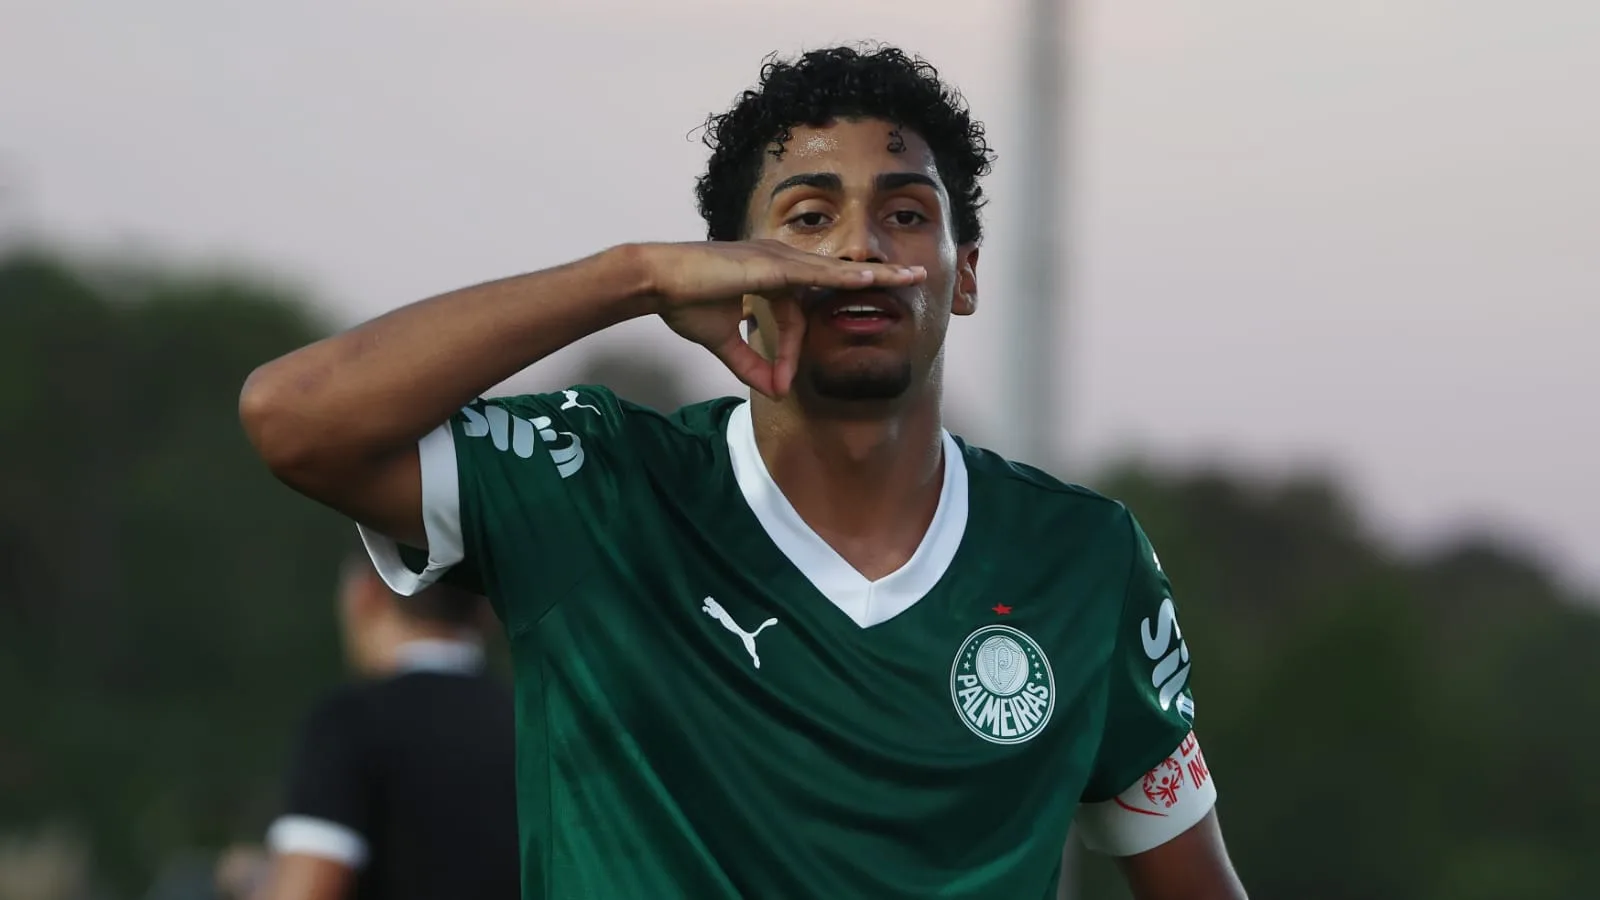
{"points": [[1192, 866], [339, 420], [1163, 831], [320, 841], [1158, 820]]}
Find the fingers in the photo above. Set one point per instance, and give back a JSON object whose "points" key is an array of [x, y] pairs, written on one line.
{"points": [[837, 273], [773, 377], [748, 366], [791, 335], [801, 269]]}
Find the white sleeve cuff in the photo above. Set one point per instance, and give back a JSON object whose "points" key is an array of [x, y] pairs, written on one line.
{"points": [[441, 519], [321, 838], [1165, 803]]}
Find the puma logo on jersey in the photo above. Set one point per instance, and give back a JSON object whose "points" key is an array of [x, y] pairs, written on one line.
{"points": [[1172, 662], [572, 403], [516, 434], [714, 609]]}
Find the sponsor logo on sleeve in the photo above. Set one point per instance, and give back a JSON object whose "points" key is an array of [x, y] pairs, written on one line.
{"points": [[1164, 645], [517, 435]]}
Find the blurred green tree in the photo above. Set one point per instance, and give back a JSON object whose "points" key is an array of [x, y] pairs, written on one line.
{"points": [[1380, 727], [165, 605]]}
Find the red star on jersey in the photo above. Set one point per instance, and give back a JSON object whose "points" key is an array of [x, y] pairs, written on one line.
{"points": [[1000, 609]]}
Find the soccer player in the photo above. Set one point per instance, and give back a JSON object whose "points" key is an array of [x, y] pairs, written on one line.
{"points": [[801, 645]]}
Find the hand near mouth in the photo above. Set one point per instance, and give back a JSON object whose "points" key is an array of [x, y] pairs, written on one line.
{"points": [[699, 291]]}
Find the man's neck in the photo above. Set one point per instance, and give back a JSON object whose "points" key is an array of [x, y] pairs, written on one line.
{"points": [[869, 487]]}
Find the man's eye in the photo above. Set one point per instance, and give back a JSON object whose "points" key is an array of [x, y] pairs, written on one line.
{"points": [[809, 220], [908, 217]]}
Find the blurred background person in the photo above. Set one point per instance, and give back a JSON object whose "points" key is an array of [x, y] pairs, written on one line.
{"points": [[402, 784], [240, 870]]}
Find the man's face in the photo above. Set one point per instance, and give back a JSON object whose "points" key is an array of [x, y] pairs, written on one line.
{"points": [[865, 191]]}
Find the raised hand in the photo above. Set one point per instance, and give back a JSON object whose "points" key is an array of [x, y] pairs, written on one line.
{"points": [[700, 290]]}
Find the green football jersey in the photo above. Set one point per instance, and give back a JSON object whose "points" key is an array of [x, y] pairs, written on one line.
{"points": [[713, 704]]}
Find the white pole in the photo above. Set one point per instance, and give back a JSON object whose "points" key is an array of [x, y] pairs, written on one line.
{"points": [[13, 213], [1035, 411]]}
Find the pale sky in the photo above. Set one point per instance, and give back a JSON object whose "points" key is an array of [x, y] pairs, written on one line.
{"points": [[1361, 236]]}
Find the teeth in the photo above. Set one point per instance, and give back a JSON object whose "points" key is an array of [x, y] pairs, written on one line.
{"points": [[860, 309]]}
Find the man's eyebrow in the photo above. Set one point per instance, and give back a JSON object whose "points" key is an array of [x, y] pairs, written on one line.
{"points": [[890, 181], [824, 181]]}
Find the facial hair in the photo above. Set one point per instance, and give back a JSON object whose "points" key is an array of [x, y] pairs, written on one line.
{"points": [[874, 380]]}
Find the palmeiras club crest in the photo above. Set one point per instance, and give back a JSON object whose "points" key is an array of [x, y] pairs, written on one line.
{"points": [[1001, 685]]}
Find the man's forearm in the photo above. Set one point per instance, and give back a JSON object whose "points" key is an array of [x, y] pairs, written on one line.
{"points": [[373, 390]]}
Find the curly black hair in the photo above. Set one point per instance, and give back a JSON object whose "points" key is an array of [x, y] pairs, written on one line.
{"points": [[841, 82]]}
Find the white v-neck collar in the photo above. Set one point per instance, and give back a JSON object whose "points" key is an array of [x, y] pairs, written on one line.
{"points": [[867, 603]]}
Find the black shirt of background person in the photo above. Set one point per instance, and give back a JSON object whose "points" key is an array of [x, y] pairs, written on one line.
{"points": [[410, 781]]}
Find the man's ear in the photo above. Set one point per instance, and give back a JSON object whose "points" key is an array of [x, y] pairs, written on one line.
{"points": [[965, 300]]}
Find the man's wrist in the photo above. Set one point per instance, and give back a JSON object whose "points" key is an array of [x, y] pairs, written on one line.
{"points": [[632, 268]]}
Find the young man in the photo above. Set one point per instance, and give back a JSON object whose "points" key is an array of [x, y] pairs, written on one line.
{"points": [[804, 646], [402, 783]]}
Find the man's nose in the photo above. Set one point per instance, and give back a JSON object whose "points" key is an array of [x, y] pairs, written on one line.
{"points": [[859, 239]]}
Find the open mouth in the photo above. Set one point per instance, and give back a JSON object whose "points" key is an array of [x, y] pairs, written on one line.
{"points": [[862, 311], [862, 315], [860, 306], [862, 318]]}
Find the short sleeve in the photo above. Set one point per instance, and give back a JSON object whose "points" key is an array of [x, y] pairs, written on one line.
{"points": [[328, 804], [512, 481], [1150, 783]]}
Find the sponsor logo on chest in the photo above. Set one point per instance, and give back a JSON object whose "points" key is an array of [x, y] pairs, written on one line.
{"points": [[1002, 685]]}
